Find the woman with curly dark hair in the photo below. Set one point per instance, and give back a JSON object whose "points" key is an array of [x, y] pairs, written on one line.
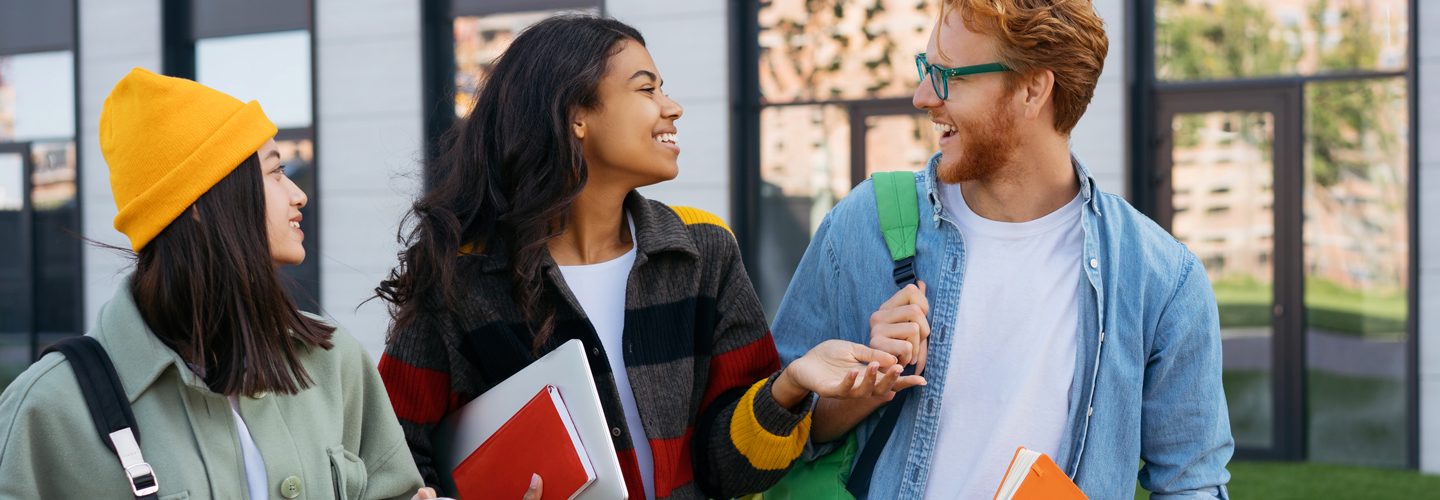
{"points": [[532, 234]]}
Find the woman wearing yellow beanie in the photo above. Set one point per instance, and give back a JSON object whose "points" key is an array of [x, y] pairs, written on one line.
{"points": [[235, 392]]}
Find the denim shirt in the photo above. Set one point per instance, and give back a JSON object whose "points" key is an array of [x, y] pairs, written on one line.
{"points": [[1147, 383]]}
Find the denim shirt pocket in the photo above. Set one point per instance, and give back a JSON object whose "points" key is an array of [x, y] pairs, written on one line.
{"points": [[347, 471]]}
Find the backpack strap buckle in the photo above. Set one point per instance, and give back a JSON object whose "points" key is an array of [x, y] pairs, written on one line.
{"points": [[904, 273], [137, 470]]}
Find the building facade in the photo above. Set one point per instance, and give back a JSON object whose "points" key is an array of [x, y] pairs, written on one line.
{"points": [[1285, 142]]}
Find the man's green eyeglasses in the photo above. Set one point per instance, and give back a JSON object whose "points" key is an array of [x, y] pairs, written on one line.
{"points": [[940, 76]]}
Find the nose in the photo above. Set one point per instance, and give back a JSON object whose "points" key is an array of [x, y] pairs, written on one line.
{"points": [[298, 198], [671, 109], [925, 97]]}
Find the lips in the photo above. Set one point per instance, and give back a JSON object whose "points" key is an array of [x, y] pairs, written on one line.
{"points": [[295, 221]]}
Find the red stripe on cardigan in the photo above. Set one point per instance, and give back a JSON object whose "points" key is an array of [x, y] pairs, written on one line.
{"points": [[740, 368], [419, 395], [673, 467], [630, 468]]}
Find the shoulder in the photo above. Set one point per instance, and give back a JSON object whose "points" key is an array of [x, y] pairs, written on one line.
{"points": [[1134, 238], [47, 391], [345, 354], [709, 233]]}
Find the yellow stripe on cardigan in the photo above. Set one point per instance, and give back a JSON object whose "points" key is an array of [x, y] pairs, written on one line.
{"points": [[692, 215], [764, 450]]}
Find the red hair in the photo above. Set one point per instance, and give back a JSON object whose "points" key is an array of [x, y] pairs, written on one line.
{"points": [[1063, 36]]}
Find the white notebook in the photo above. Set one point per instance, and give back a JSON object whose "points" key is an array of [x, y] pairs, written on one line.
{"points": [[565, 368]]}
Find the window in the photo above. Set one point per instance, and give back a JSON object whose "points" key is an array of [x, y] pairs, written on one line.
{"points": [[261, 51], [1314, 291], [41, 299], [465, 37], [834, 84]]}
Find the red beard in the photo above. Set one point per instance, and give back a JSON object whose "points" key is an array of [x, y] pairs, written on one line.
{"points": [[985, 148]]}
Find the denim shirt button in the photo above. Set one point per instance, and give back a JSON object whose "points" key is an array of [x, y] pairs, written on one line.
{"points": [[1090, 412], [1094, 263]]}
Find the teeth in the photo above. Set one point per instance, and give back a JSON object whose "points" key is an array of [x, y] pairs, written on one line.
{"points": [[294, 224], [944, 128], [666, 138]]}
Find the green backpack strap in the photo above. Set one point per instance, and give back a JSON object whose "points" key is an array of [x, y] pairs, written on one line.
{"points": [[898, 208], [845, 471]]}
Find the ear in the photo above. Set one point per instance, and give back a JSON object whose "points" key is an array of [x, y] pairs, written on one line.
{"points": [[1036, 89], [578, 128]]}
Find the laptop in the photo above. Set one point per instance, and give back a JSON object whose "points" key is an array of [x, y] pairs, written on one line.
{"points": [[565, 368]]}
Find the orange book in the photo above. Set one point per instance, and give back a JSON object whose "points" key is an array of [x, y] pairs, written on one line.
{"points": [[1034, 476], [538, 439]]}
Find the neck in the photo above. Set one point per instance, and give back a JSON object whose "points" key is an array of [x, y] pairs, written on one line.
{"points": [[596, 229], [1039, 181]]}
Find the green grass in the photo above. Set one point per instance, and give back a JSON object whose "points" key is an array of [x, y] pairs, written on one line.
{"points": [[1281, 480], [1245, 302]]}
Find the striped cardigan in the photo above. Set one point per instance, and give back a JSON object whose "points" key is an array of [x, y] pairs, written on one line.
{"points": [[698, 354]]}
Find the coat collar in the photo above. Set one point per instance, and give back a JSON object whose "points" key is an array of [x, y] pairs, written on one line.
{"points": [[657, 231], [139, 356]]}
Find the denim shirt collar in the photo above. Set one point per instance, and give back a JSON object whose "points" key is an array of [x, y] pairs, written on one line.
{"points": [[1087, 184]]}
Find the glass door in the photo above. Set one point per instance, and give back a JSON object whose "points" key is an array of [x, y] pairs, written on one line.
{"points": [[1227, 188]]}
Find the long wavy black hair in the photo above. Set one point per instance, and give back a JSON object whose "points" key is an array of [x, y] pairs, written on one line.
{"points": [[507, 173]]}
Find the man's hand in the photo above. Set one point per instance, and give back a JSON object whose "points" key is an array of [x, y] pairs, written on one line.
{"points": [[901, 328]]}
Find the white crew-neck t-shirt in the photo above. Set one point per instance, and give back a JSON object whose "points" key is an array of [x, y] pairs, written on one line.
{"points": [[1012, 354], [600, 289]]}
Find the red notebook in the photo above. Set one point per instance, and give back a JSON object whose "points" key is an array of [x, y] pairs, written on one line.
{"points": [[538, 439]]}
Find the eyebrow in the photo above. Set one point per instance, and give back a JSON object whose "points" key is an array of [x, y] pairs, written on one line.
{"points": [[646, 74], [273, 153]]}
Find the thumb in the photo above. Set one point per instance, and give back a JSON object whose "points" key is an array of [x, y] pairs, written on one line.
{"points": [[866, 355]]}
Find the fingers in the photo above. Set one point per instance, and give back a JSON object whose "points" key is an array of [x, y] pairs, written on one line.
{"points": [[426, 493], [872, 371], [536, 488], [909, 313], [902, 349], [887, 381], [907, 382], [912, 334], [878, 357], [911, 294]]}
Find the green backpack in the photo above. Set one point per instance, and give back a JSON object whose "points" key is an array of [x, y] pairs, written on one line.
{"points": [[830, 476]]}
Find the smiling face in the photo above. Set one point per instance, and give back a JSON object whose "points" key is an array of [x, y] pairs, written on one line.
{"points": [[283, 201], [629, 139], [977, 123]]}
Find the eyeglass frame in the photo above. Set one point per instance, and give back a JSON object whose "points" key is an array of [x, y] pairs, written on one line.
{"points": [[934, 71]]}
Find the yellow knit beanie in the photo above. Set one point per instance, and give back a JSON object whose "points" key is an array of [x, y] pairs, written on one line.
{"points": [[168, 141]]}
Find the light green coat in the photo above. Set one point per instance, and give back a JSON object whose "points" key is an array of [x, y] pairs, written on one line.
{"points": [[338, 439]]}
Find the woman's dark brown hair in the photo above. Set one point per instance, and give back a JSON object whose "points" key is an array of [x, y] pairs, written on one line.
{"points": [[208, 288], [508, 173]]}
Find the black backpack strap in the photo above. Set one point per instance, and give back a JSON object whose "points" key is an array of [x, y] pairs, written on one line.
{"points": [[859, 482], [109, 409]]}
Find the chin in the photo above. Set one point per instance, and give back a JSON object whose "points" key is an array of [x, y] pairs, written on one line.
{"points": [[292, 259]]}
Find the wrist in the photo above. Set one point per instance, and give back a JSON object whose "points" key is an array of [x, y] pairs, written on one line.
{"points": [[786, 391]]}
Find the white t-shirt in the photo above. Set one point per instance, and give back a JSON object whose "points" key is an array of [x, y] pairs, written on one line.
{"points": [[255, 478], [600, 289], [1012, 355]]}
